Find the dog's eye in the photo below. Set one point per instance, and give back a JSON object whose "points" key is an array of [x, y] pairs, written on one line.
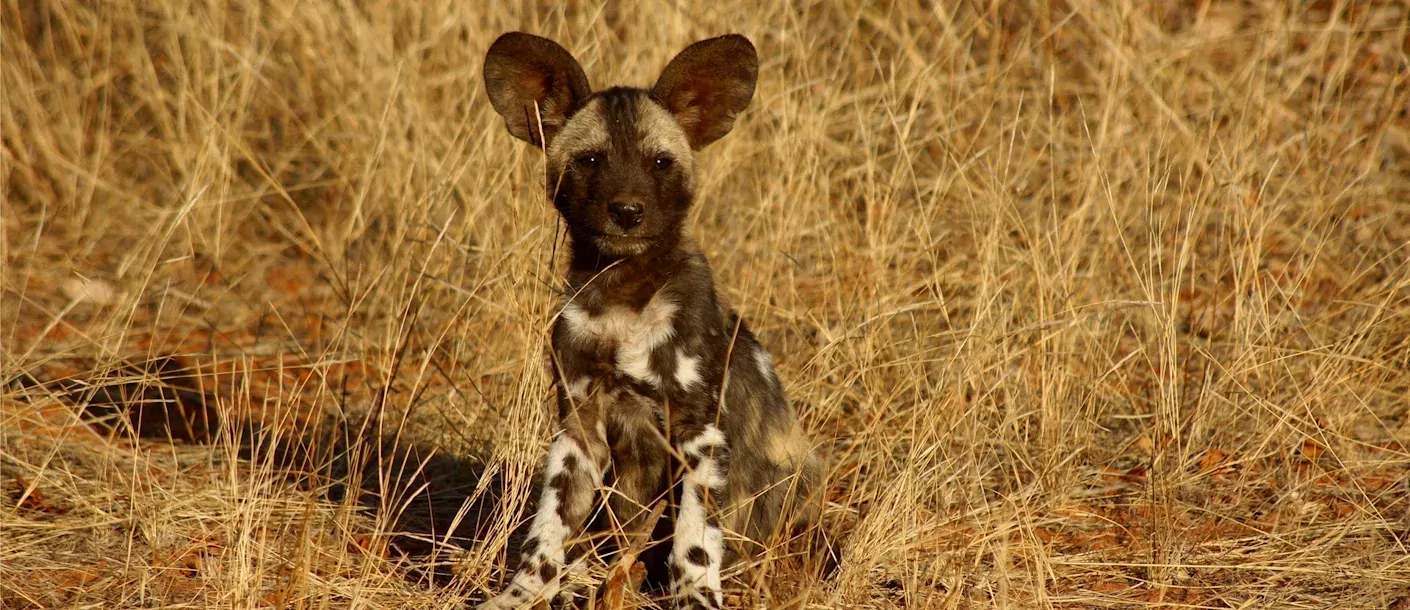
{"points": [[588, 161], [664, 163]]}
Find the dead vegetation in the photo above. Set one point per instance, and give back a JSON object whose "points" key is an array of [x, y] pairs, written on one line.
{"points": [[1090, 304]]}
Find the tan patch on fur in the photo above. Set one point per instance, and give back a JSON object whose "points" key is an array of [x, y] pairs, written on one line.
{"points": [[585, 132], [660, 133], [787, 447]]}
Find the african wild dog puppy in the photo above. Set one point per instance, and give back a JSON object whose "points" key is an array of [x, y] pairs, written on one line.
{"points": [[660, 385]]}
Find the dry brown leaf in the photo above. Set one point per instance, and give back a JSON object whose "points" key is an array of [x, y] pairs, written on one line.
{"points": [[1213, 459]]}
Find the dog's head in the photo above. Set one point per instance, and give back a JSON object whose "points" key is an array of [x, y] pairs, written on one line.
{"points": [[621, 161]]}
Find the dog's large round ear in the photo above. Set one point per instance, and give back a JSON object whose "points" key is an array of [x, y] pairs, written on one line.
{"points": [[531, 80], [707, 85]]}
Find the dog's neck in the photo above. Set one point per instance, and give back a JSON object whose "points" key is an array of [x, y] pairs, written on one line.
{"points": [[597, 281]]}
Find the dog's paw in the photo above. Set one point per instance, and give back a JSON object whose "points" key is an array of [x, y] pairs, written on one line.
{"points": [[511, 599], [700, 599], [497, 603]]}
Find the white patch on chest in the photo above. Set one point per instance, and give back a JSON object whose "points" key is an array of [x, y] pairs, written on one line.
{"points": [[633, 334]]}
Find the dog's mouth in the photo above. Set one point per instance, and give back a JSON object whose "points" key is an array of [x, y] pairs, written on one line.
{"points": [[620, 245]]}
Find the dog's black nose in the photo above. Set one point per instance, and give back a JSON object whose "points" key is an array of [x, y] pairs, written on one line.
{"points": [[626, 215]]}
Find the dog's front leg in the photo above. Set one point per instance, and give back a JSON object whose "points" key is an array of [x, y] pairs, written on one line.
{"points": [[572, 471], [698, 543]]}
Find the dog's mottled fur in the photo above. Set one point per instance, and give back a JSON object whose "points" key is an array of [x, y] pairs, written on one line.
{"points": [[661, 387]]}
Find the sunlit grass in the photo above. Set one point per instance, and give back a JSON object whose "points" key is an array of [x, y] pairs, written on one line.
{"points": [[1087, 304]]}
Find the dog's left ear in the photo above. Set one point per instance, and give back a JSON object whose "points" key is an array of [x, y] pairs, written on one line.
{"points": [[707, 85]]}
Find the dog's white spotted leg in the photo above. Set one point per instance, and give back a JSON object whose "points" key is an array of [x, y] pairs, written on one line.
{"points": [[698, 546], [574, 468]]}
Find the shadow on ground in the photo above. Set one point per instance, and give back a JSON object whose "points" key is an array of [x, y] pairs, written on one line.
{"points": [[440, 499]]}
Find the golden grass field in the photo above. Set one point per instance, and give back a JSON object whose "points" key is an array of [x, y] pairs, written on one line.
{"points": [[1088, 304]]}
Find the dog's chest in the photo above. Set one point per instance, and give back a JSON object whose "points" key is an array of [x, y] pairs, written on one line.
{"points": [[621, 341]]}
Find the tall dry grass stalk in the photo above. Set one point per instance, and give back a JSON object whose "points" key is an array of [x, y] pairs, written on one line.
{"points": [[1089, 304]]}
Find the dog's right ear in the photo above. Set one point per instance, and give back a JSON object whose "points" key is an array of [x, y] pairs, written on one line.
{"points": [[532, 79]]}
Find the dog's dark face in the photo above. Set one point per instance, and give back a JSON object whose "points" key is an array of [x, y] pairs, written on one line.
{"points": [[620, 172], [620, 161]]}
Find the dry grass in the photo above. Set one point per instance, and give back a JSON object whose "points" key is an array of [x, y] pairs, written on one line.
{"points": [[1090, 304]]}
